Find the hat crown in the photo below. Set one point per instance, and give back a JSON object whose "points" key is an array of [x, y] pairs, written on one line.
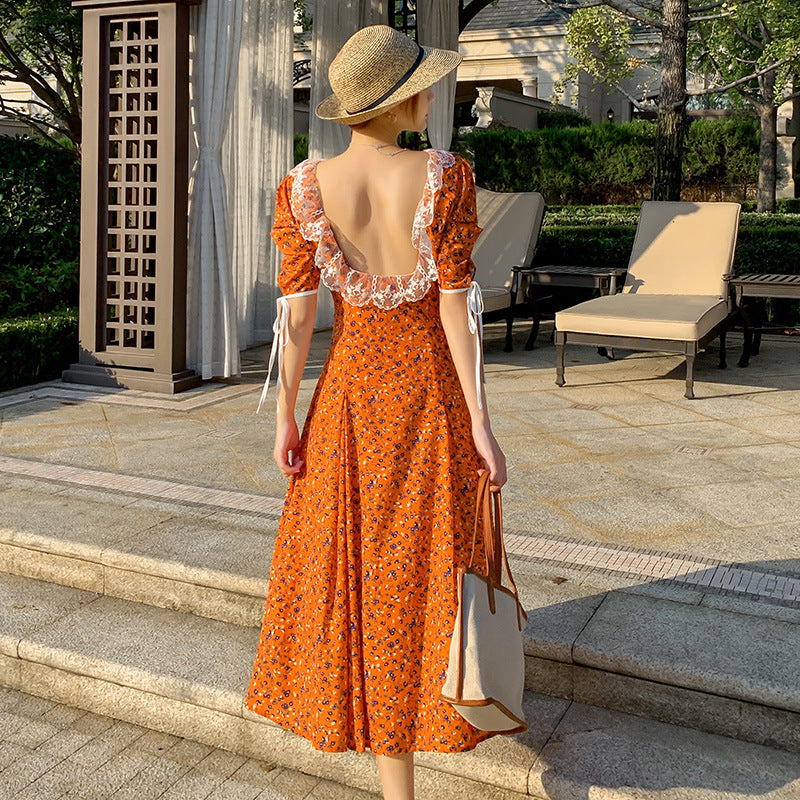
{"points": [[370, 64]]}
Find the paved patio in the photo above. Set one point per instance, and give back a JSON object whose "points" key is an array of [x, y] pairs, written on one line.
{"points": [[618, 456], [655, 541]]}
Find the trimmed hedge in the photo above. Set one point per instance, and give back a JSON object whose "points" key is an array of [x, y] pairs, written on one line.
{"points": [[563, 119], [37, 348], [605, 164], [600, 237], [27, 289], [604, 237], [783, 205]]}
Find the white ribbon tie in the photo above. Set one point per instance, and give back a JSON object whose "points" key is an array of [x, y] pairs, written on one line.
{"points": [[475, 323], [280, 338]]}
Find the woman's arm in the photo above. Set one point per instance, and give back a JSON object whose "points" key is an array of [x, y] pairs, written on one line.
{"points": [[302, 313], [465, 348]]}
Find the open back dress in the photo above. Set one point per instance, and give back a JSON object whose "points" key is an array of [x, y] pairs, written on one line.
{"points": [[362, 594]]}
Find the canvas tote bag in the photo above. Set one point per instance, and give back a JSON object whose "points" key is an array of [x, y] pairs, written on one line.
{"points": [[486, 670]]}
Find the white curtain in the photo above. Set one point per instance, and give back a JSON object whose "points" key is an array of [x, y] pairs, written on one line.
{"points": [[437, 22], [256, 154], [212, 336], [334, 24]]}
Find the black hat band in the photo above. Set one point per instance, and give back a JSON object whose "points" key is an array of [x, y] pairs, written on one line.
{"points": [[394, 88]]}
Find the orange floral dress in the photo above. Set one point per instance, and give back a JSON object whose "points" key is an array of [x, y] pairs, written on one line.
{"points": [[362, 598]]}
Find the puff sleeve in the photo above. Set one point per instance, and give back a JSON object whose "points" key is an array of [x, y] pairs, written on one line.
{"points": [[297, 276], [452, 243], [298, 272], [454, 229]]}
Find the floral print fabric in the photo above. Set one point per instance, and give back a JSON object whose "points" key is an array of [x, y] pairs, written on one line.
{"points": [[362, 597]]}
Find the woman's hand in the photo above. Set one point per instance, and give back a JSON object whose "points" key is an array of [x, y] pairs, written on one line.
{"points": [[492, 455], [287, 438]]}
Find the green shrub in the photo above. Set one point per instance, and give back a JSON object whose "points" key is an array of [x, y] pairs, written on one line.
{"points": [[602, 236], [767, 246], [719, 153], [39, 202], [562, 119], [37, 348], [784, 205], [26, 289], [591, 244], [39, 226], [612, 163], [300, 147], [788, 205]]}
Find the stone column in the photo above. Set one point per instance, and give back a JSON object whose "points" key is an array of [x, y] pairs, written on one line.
{"points": [[530, 85], [134, 195], [787, 146]]}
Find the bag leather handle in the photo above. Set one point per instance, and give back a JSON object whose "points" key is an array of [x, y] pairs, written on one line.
{"points": [[489, 510]]}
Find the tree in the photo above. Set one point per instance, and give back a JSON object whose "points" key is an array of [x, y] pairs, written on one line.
{"points": [[40, 40], [599, 33], [596, 43], [753, 50]]}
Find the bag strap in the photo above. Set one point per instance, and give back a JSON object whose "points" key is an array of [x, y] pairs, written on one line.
{"points": [[483, 482], [489, 510]]}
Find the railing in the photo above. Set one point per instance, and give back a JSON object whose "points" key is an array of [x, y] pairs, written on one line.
{"points": [[302, 70]]}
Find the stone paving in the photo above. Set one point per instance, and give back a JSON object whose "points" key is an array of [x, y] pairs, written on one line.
{"points": [[615, 474], [50, 751], [639, 563], [616, 470]]}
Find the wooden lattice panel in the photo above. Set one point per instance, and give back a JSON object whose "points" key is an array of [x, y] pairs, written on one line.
{"points": [[403, 16], [131, 260], [134, 195]]}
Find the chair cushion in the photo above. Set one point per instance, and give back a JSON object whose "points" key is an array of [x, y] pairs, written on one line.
{"points": [[510, 223], [676, 317], [683, 248], [495, 298]]}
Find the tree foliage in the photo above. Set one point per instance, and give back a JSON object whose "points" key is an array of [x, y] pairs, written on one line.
{"points": [[302, 20], [748, 46], [599, 41], [41, 40], [745, 41], [752, 51]]}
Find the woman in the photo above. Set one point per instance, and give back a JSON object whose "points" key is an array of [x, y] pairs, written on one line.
{"points": [[380, 506]]}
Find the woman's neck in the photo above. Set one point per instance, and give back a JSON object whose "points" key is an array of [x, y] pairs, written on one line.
{"points": [[378, 135]]}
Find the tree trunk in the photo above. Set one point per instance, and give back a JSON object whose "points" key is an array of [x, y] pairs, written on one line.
{"points": [[672, 101], [768, 151]]}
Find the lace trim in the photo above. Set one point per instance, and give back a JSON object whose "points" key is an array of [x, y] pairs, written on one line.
{"points": [[356, 287]]}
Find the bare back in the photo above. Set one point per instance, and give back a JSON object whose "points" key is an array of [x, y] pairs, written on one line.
{"points": [[370, 199]]}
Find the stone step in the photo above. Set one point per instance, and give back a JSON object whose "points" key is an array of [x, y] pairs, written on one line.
{"points": [[211, 563], [52, 751], [720, 664], [186, 675]]}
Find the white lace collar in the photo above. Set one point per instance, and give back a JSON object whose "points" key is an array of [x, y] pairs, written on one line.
{"points": [[356, 287]]}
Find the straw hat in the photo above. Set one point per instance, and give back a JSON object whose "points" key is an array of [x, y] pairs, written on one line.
{"points": [[379, 67]]}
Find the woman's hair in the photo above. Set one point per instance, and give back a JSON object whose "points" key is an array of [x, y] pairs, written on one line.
{"points": [[411, 103]]}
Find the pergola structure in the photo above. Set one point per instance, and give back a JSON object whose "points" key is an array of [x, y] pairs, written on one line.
{"points": [[399, 12], [134, 195], [177, 270]]}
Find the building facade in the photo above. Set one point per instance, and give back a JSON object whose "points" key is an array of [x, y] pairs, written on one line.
{"points": [[19, 96]]}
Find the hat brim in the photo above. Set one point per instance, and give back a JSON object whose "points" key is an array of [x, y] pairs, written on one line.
{"points": [[435, 64]]}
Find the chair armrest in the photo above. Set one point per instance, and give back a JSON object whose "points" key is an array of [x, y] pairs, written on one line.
{"points": [[515, 273], [731, 299]]}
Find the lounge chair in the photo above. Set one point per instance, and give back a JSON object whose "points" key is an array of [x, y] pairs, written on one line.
{"points": [[676, 296], [511, 222]]}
